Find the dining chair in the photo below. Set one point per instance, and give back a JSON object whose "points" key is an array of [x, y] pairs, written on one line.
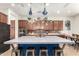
{"points": [[77, 43], [75, 36], [76, 40], [59, 50]]}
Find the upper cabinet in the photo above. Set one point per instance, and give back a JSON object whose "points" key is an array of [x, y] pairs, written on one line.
{"points": [[3, 18], [56, 25], [22, 23], [41, 24], [60, 25]]}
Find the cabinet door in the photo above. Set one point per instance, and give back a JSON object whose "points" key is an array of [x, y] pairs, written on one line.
{"points": [[60, 23], [3, 18], [50, 26], [55, 25], [22, 23]]}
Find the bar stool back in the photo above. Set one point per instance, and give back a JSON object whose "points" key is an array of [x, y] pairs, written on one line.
{"points": [[15, 51], [43, 51], [30, 51], [59, 50]]}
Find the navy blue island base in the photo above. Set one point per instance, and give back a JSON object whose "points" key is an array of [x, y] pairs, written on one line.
{"points": [[50, 47]]}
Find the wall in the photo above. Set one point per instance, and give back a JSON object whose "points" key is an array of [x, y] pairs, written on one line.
{"points": [[5, 11], [75, 24]]}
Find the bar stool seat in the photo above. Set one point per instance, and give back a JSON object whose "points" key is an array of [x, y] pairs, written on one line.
{"points": [[43, 51], [30, 51]]}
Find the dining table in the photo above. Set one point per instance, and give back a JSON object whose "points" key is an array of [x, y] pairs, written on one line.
{"points": [[50, 42]]}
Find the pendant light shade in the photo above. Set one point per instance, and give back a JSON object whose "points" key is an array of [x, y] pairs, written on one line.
{"points": [[30, 11], [45, 12]]}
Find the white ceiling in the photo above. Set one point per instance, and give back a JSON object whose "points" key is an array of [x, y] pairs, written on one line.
{"points": [[63, 9]]}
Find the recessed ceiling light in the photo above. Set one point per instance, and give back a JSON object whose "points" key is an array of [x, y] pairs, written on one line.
{"points": [[47, 4], [13, 4], [58, 12], [29, 4]]}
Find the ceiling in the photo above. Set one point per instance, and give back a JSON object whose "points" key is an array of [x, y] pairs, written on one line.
{"points": [[54, 9]]}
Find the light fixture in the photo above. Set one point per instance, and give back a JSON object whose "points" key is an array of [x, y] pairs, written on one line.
{"points": [[58, 12], [30, 10], [47, 4], [13, 4], [29, 4], [44, 11]]}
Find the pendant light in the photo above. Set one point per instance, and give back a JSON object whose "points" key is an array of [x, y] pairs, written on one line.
{"points": [[30, 10], [44, 11]]}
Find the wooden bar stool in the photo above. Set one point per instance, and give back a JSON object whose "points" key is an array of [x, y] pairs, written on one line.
{"points": [[60, 51], [30, 51], [15, 51], [43, 51]]}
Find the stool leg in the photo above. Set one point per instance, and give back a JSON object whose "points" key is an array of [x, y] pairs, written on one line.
{"points": [[62, 53], [16, 53], [34, 53], [11, 53]]}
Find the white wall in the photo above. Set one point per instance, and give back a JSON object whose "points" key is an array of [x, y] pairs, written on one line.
{"points": [[5, 11], [75, 24], [12, 15]]}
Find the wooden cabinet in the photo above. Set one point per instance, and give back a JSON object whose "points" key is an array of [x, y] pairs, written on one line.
{"points": [[50, 26], [3, 18], [56, 25], [60, 25], [22, 23], [42, 24], [23, 27], [46, 25]]}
